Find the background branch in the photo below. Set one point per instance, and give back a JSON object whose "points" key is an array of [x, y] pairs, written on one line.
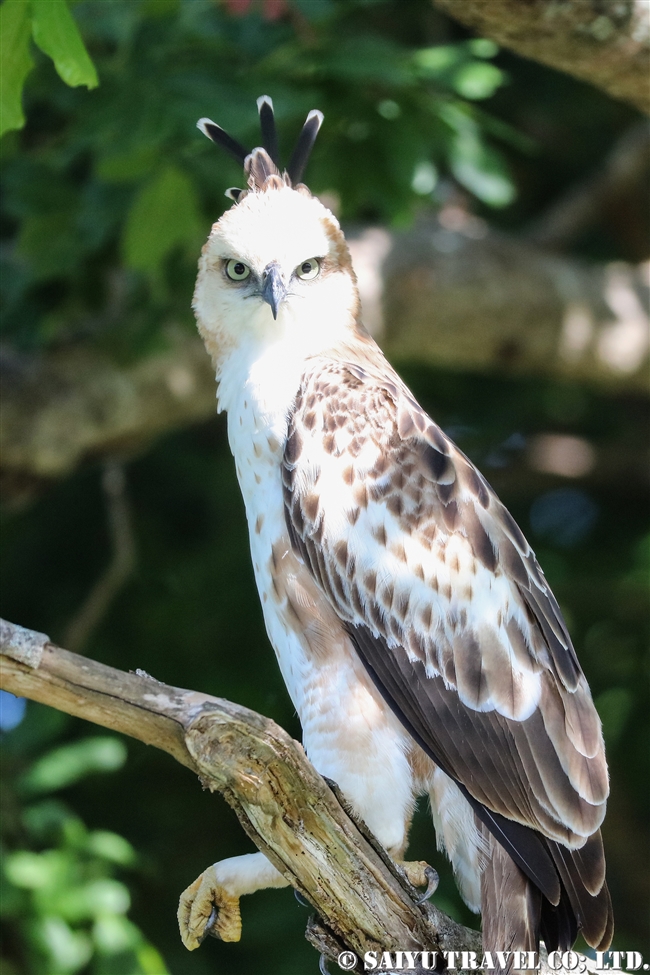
{"points": [[447, 293], [102, 594], [607, 45], [626, 168]]}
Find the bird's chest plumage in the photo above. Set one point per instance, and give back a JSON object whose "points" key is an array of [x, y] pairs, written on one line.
{"points": [[257, 434], [348, 732]]}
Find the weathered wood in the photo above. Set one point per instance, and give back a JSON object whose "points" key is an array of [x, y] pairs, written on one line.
{"points": [[605, 44], [285, 806], [451, 298], [304, 826]]}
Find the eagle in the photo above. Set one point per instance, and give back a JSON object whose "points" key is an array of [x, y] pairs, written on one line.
{"points": [[418, 638]]}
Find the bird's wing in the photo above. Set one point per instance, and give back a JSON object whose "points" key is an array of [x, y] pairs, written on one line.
{"points": [[448, 608]]}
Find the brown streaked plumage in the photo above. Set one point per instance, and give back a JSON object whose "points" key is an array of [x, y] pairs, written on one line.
{"points": [[542, 766]]}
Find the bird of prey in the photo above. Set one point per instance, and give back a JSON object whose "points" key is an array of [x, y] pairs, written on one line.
{"points": [[415, 631]]}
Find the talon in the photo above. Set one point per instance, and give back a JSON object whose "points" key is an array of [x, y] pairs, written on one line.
{"points": [[432, 884], [301, 900], [322, 965], [208, 928], [419, 873]]}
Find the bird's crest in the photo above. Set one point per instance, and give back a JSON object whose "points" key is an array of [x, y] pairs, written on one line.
{"points": [[261, 165]]}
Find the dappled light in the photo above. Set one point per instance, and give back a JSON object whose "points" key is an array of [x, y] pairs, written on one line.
{"points": [[497, 212]]}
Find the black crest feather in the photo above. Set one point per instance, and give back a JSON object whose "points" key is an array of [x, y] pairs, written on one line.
{"points": [[304, 145], [267, 124], [261, 164], [221, 138]]}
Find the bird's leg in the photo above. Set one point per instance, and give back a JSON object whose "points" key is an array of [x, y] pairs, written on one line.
{"points": [[211, 904], [418, 872]]}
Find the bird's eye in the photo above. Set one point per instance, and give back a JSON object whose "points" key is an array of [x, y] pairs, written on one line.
{"points": [[308, 269], [237, 270]]}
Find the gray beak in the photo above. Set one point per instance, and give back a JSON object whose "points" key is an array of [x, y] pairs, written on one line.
{"points": [[273, 289]]}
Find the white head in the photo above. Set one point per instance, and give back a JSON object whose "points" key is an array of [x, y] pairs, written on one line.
{"points": [[276, 269]]}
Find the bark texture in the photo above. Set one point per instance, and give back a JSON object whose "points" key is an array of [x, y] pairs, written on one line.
{"points": [[305, 827], [363, 901], [447, 292], [603, 42]]}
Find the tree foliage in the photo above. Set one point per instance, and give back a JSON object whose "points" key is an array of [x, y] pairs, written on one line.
{"points": [[108, 193], [120, 177]]}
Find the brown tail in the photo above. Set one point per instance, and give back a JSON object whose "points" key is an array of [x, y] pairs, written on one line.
{"points": [[516, 915]]}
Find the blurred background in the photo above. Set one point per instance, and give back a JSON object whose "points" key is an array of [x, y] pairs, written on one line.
{"points": [[499, 211]]}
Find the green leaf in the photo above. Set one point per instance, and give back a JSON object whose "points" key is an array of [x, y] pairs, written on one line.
{"points": [[481, 170], [67, 950], [434, 61], [15, 62], [477, 79], [477, 166], [150, 960], [57, 35], [68, 764], [31, 870], [483, 47], [114, 933], [164, 214], [110, 846], [85, 901]]}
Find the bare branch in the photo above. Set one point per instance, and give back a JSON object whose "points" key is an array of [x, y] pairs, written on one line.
{"points": [[607, 45], [287, 809], [305, 827], [448, 293], [627, 165], [121, 566]]}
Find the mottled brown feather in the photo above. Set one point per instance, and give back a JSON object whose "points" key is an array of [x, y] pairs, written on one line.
{"points": [[457, 681]]}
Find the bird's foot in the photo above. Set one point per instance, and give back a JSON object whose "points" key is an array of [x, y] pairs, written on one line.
{"points": [[420, 873], [206, 908]]}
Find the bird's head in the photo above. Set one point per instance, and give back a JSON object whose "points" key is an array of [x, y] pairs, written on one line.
{"points": [[276, 267]]}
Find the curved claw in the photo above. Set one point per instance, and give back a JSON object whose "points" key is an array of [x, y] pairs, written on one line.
{"points": [[208, 927], [301, 900], [432, 884], [322, 965]]}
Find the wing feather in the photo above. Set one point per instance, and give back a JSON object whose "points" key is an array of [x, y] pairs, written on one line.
{"points": [[453, 618]]}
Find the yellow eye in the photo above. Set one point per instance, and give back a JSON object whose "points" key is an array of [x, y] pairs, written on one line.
{"points": [[237, 270], [308, 269]]}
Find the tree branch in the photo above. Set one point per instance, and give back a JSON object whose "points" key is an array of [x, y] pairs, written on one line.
{"points": [[448, 293], [102, 594], [298, 820], [286, 808], [607, 45], [625, 168]]}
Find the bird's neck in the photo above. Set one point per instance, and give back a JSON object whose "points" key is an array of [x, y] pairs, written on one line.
{"points": [[257, 389]]}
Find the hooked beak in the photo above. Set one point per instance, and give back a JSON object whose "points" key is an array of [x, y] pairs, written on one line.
{"points": [[273, 289]]}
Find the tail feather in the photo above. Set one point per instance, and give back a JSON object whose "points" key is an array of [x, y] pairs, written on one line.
{"points": [[593, 911], [516, 914], [511, 907], [558, 927]]}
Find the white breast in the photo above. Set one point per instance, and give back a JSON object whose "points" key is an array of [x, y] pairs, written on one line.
{"points": [[348, 733], [258, 394]]}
